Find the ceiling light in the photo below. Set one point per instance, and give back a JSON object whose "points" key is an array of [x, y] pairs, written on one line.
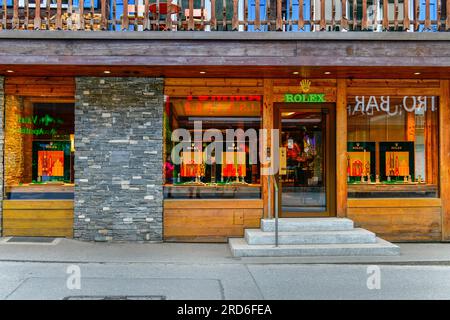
{"points": [[106, 72], [202, 72], [295, 72], [417, 73], [10, 71], [327, 72]]}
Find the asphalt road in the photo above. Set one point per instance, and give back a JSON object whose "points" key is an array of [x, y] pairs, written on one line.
{"points": [[177, 280]]}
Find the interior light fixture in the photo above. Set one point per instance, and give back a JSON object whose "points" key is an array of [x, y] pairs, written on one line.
{"points": [[106, 72], [10, 71], [202, 72], [295, 72], [417, 73], [327, 72]]}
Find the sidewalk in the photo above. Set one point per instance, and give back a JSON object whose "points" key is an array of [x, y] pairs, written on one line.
{"points": [[66, 250]]}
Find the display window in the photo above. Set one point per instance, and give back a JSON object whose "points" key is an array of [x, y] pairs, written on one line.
{"points": [[392, 148], [39, 149], [205, 163]]}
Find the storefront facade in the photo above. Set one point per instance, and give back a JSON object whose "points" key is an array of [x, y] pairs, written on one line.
{"points": [[89, 157], [89, 131], [376, 122]]}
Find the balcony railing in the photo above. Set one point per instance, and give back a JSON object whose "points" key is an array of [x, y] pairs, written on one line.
{"points": [[226, 15]]}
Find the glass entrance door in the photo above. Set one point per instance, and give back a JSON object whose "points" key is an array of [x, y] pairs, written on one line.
{"points": [[307, 170]]}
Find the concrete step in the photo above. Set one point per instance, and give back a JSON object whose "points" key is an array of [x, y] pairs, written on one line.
{"points": [[240, 248], [307, 224], [257, 237]]}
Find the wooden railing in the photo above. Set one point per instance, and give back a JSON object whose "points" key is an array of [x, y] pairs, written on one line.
{"points": [[226, 15]]}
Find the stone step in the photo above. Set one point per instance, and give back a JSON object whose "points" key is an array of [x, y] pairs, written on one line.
{"points": [[307, 224], [240, 248], [257, 237]]}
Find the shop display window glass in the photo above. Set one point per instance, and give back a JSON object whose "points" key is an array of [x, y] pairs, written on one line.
{"points": [[39, 149], [199, 171], [392, 146]]}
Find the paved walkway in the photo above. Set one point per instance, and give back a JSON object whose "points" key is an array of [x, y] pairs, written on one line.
{"points": [[65, 250], [207, 271]]}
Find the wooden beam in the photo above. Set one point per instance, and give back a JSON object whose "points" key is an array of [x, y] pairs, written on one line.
{"points": [[268, 111], [257, 15], [104, 18], [365, 22], [213, 20], [385, 16], [323, 22], [341, 148], [444, 155], [427, 15], [15, 22], [447, 21], [344, 18], [235, 19], [395, 15], [301, 20], [191, 26], [59, 14], [125, 21], [279, 20]]}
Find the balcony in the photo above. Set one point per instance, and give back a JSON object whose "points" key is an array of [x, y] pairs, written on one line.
{"points": [[227, 15]]}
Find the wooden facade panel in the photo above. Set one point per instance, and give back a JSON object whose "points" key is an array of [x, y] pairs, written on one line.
{"points": [[341, 149], [444, 156], [37, 214], [179, 91], [198, 223], [40, 87], [194, 52], [33, 224], [392, 91], [65, 81], [389, 83], [394, 202], [38, 204], [398, 223], [213, 82], [314, 82], [267, 124], [38, 218], [218, 204]]}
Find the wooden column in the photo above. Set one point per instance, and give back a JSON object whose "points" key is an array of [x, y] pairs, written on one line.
{"points": [[341, 148], [410, 126], [444, 155], [267, 119]]}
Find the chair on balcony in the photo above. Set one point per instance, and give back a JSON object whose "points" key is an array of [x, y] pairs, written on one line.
{"points": [[136, 17], [140, 14], [199, 16]]}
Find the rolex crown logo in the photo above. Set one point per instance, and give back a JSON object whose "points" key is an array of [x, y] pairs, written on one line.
{"points": [[305, 85]]}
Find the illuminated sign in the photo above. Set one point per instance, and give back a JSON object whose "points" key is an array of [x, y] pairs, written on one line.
{"points": [[209, 104], [234, 98], [45, 121], [305, 97], [392, 105]]}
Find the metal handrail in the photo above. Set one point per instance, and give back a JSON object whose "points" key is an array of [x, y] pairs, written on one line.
{"points": [[275, 184]]}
